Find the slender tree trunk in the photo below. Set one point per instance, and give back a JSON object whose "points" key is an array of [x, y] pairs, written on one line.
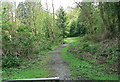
{"points": [[53, 24], [34, 18], [102, 16], [47, 4], [15, 15]]}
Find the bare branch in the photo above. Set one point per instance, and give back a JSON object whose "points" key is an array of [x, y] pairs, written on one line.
{"points": [[78, 3]]}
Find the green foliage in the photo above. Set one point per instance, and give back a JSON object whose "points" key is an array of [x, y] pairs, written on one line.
{"points": [[87, 67], [29, 68], [73, 29], [66, 41], [85, 45], [11, 61], [61, 21], [100, 20], [29, 32], [89, 48], [76, 29]]}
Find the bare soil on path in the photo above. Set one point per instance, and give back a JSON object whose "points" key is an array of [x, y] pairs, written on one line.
{"points": [[57, 63]]}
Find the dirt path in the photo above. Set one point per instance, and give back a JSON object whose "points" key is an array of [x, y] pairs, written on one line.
{"points": [[57, 63]]}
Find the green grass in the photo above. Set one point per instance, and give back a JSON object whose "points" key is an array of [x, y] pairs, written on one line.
{"points": [[0, 74], [33, 68], [36, 70], [74, 38], [66, 41], [83, 67], [28, 73]]}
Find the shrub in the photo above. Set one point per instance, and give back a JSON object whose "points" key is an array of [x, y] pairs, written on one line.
{"points": [[11, 61]]}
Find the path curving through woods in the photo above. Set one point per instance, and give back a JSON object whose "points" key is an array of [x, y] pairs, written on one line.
{"points": [[58, 64]]}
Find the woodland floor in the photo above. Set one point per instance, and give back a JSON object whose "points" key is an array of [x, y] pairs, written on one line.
{"points": [[58, 64], [70, 61]]}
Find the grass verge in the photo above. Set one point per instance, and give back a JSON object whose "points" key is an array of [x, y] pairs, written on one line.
{"points": [[83, 68], [66, 41], [33, 67]]}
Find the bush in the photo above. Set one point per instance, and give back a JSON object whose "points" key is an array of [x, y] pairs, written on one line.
{"points": [[86, 47], [89, 48], [86, 38], [76, 29], [11, 61]]}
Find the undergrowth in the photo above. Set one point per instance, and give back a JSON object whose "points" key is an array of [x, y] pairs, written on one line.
{"points": [[33, 66], [91, 61]]}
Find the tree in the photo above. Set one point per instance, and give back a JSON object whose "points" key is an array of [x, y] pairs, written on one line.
{"points": [[99, 18], [61, 21], [73, 28], [76, 28], [33, 31]]}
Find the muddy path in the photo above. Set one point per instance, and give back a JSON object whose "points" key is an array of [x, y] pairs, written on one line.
{"points": [[57, 63]]}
